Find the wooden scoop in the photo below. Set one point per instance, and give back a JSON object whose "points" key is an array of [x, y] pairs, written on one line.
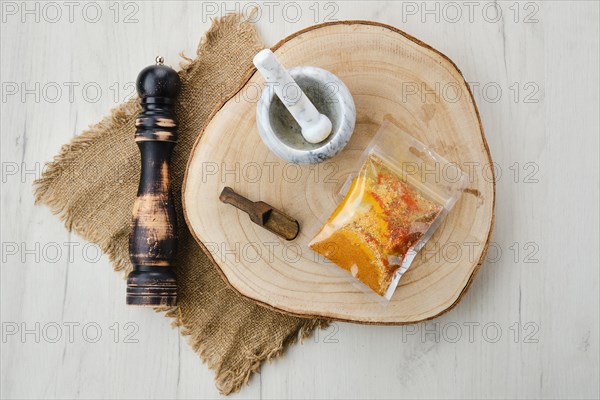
{"points": [[263, 214]]}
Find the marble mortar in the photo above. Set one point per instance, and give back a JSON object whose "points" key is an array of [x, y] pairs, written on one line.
{"points": [[282, 134]]}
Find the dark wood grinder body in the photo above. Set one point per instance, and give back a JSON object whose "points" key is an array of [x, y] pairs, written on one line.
{"points": [[153, 239]]}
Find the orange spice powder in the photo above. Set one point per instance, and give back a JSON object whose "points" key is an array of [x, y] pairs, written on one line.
{"points": [[371, 231]]}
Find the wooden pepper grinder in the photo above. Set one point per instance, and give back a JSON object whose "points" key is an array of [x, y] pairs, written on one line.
{"points": [[153, 239]]}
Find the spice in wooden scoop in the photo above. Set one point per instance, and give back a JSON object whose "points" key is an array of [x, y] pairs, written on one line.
{"points": [[263, 214]]}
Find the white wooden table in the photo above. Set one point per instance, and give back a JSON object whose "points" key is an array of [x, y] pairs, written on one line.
{"points": [[528, 327]]}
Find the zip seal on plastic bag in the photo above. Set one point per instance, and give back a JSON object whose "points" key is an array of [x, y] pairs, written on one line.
{"points": [[389, 208]]}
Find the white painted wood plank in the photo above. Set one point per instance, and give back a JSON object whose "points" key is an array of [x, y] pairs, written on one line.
{"points": [[84, 291], [547, 311], [519, 295]]}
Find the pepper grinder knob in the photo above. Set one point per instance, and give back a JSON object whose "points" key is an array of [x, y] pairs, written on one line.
{"points": [[153, 238]]}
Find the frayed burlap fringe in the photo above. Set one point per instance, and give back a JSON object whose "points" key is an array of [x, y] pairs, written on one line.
{"points": [[60, 205], [233, 335]]}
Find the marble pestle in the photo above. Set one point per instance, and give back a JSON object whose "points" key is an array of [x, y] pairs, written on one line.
{"points": [[315, 127]]}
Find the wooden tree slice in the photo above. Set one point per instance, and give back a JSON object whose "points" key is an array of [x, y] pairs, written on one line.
{"points": [[390, 75]]}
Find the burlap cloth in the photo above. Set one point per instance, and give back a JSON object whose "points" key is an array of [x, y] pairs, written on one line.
{"points": [[93, 182]]}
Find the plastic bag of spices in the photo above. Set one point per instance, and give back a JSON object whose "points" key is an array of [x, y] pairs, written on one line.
{"points": [[389, 209]]}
